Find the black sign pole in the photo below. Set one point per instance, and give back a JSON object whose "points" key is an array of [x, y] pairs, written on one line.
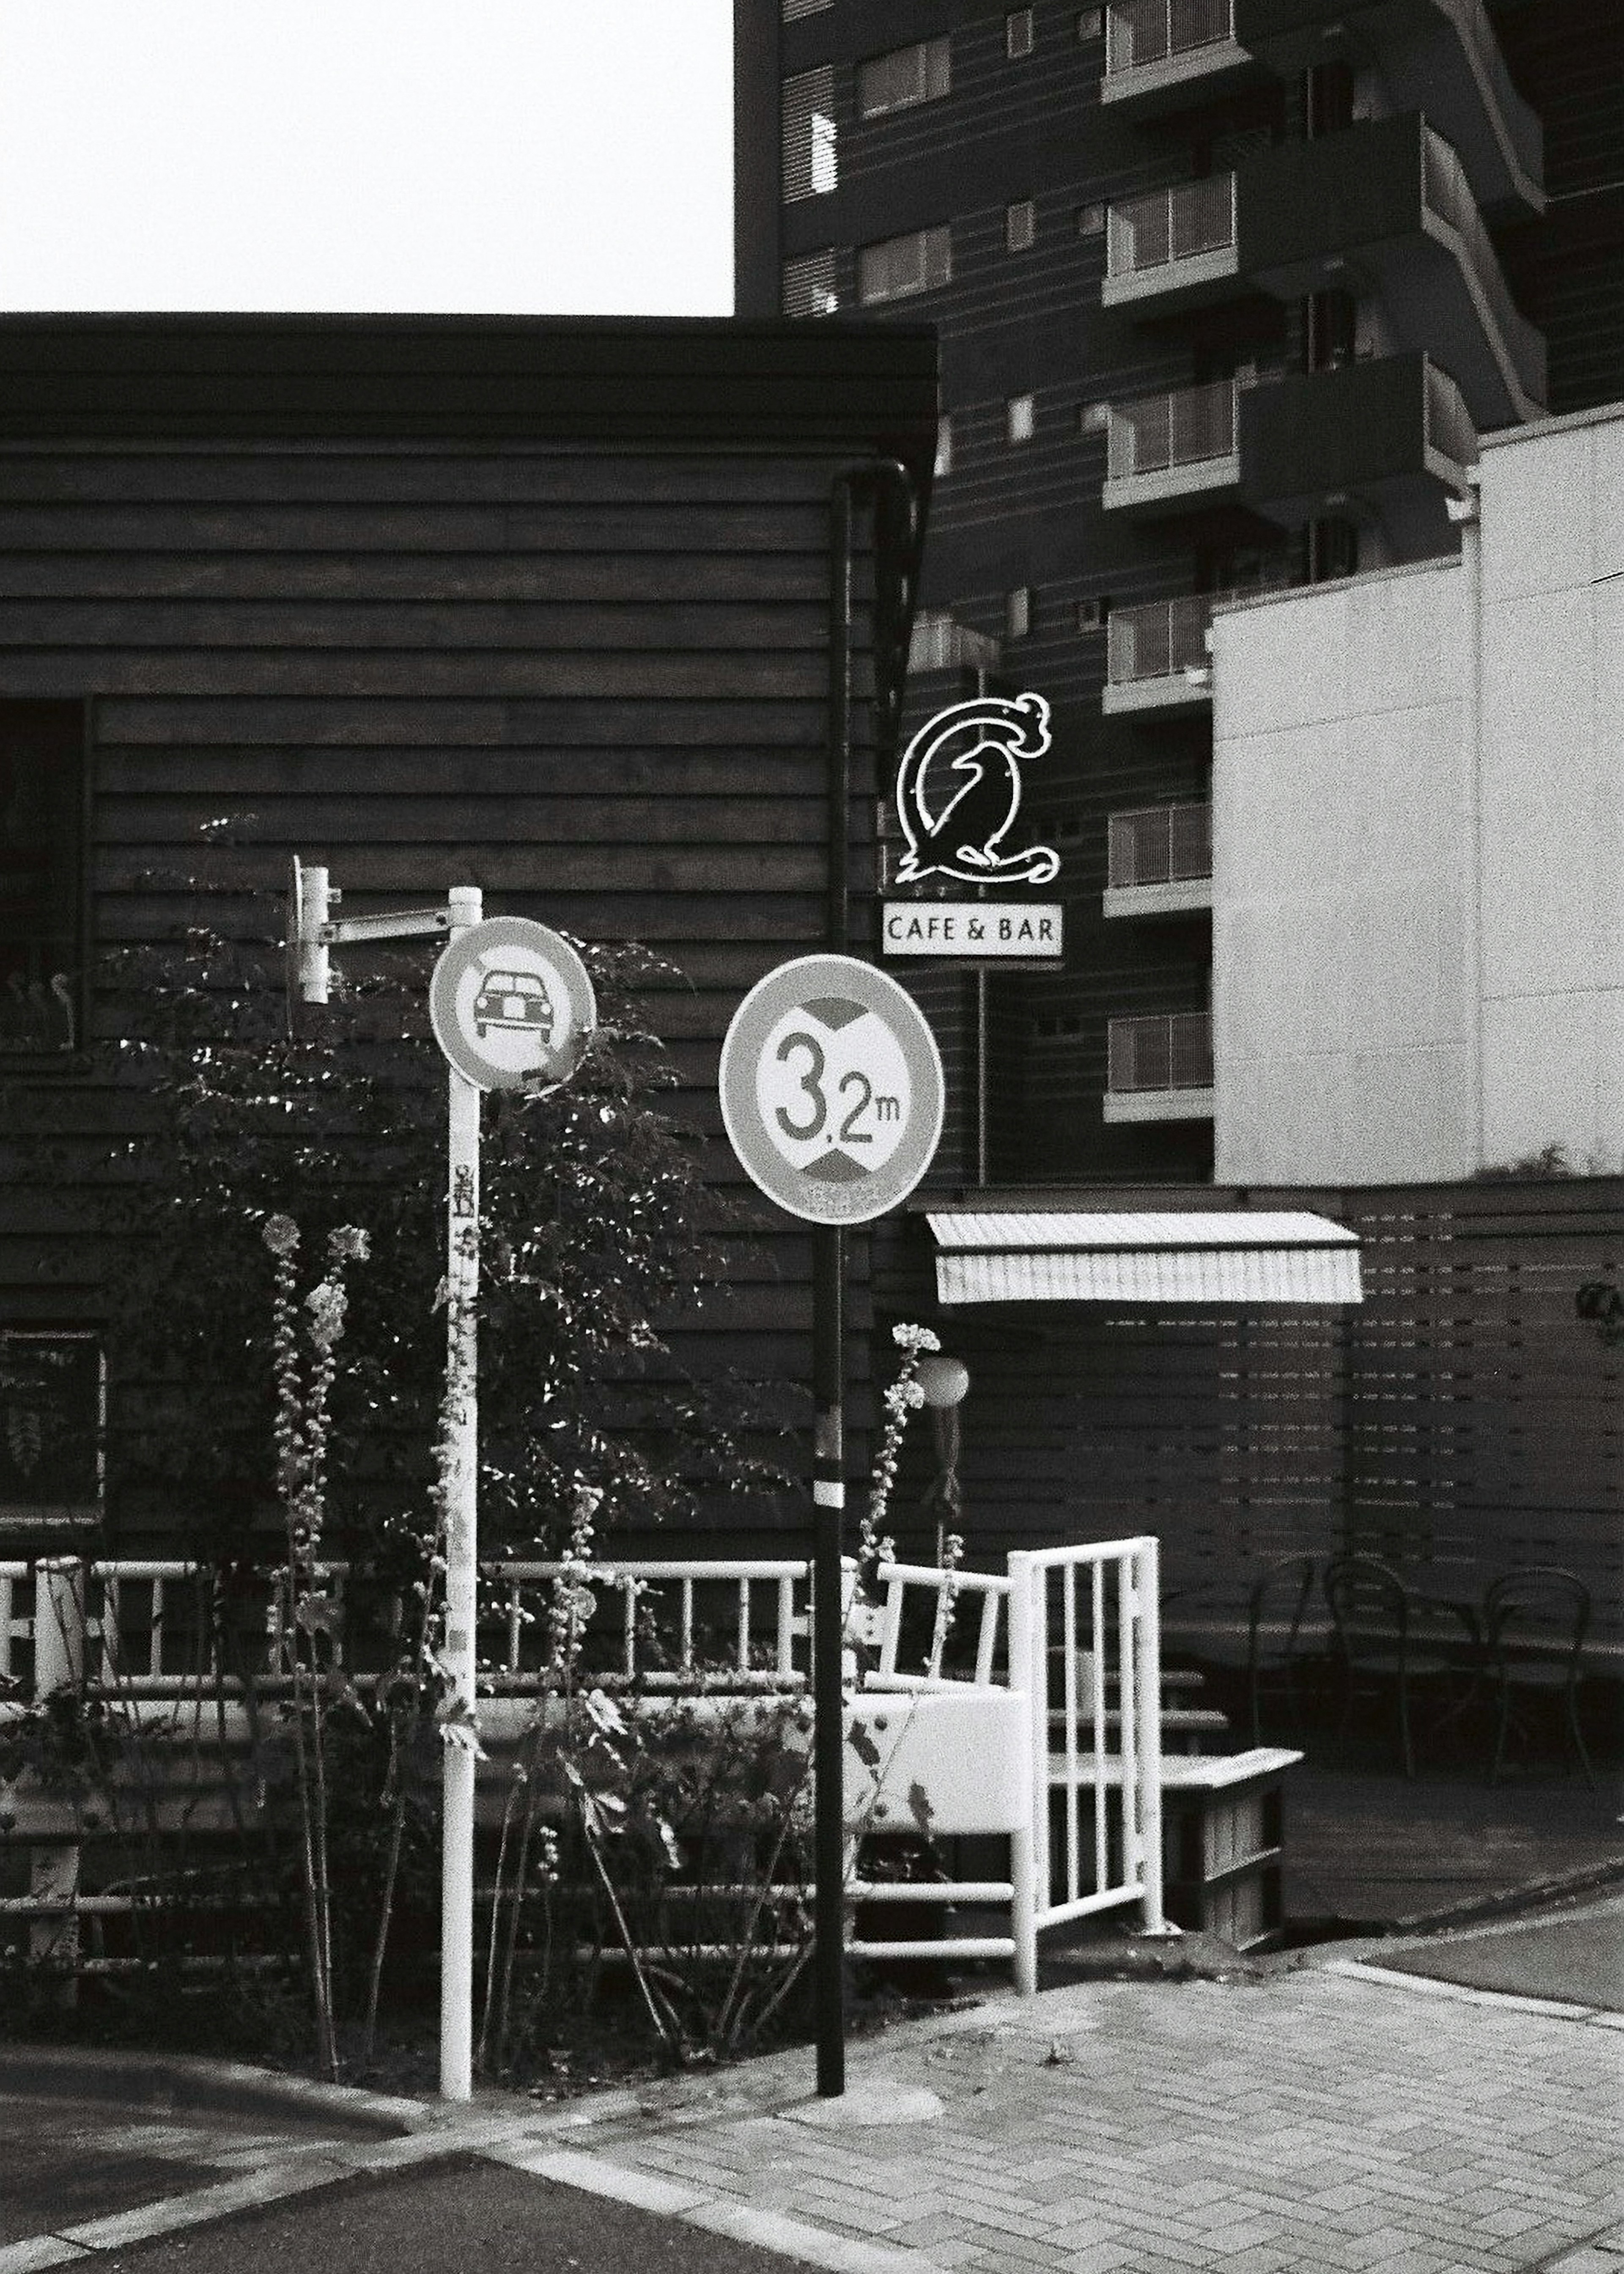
{"points": [[828, 1688], [829, 1390]]}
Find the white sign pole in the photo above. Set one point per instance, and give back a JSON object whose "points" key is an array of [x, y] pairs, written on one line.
{"points": [[460, 1491], [514, 1003]]}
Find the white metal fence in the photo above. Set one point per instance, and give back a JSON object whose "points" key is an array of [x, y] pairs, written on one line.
{"points": [[677, 1624], [1080, 1617], [995, 1701], [949, 1600]]}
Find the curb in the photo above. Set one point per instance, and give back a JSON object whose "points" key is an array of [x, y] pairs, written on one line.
{"points": [[466, 2133], [767, 2230], [186, 2080], [511, 2141], [1463, 1993], [1509, 1901]]}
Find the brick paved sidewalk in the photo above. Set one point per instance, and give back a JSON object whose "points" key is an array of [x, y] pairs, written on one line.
{"points": [[1315, 2119]]}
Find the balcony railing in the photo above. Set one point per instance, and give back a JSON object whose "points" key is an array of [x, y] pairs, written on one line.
{"points": [[1158, 640], [1468, 93], [1140, 32], [1177, 223], [1188, 427], [1172, 1050], [1448, 194], [940, 644], [1450, 428], [1161, 845]]}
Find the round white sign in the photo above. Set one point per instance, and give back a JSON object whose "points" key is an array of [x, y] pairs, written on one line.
{"points": [[511, 1002], [831, 1090]]}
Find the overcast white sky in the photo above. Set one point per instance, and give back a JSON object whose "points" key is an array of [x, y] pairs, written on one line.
{"points": [[546, 156]]}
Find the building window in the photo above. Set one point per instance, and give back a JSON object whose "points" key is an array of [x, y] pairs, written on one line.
{"points": [[809, 284], [1092, 417], [1018, 612], [808, 135], [944, 445], [1018, 37], [1092, 614], [905, 76], [41, 874], [1331, 549], [1091, 24], [1021, 225], [1091, 220], [53, 1399], [898, 266], [1172, 1051], [1020, 419]]}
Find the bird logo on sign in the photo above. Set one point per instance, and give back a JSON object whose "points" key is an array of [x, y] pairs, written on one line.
{"points": [[959, 791]]}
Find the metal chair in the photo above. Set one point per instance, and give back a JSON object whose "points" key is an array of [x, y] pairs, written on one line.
{"points": [[1280, 1591], [1535, 1621], [1258, 1658], [1380, 1638]]}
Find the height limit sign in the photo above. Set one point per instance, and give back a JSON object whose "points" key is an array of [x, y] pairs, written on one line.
{"points": [[831, 1090]]}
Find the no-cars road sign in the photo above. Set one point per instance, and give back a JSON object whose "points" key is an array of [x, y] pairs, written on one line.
{"points": [[831, 1090], [510, 1002]]}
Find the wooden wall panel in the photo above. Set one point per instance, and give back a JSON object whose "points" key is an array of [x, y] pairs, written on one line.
{"points": [[570, 646], [1459, 1421]]}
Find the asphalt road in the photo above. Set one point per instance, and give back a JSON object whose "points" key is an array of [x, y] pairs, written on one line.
{"points": [[457, 2216], [64, 2159], [1575, 1955], [41, 2186]]}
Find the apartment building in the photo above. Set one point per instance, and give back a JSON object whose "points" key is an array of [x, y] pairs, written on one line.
{"points": [[1227, 291]]}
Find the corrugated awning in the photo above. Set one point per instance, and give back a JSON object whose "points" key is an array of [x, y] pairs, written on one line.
{"points": [[1054, 1255]]}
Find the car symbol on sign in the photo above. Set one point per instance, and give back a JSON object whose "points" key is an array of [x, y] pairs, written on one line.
{"points": [[513, 998]]}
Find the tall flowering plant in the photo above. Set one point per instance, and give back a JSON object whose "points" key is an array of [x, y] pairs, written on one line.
{"points": [[306, 1366], [874, 1545], [902, 1398]]}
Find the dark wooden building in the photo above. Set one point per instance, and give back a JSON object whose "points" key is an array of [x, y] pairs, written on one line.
{"points": [[537, 606]]}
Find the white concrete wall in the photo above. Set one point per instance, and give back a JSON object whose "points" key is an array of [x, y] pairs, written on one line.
{"points": [[1339, 843], [1553, 785], [1354, 1016]]}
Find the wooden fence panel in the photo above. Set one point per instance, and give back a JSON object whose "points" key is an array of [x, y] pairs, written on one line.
{"points": [[1459, 1421]]}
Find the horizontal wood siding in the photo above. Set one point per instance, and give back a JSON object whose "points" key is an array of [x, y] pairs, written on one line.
{"points": [[437, 642]]}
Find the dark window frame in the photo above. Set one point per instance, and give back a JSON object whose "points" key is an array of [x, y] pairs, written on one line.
{"points": [[22, 1518], [81, 741], [877, 256], [930, 51]]}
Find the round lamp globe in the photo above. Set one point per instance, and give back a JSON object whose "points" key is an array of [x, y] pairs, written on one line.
{"points": [[943, 1380]]}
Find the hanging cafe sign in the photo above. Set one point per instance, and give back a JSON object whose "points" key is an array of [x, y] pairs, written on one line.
{"points": [[959, 792]]}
